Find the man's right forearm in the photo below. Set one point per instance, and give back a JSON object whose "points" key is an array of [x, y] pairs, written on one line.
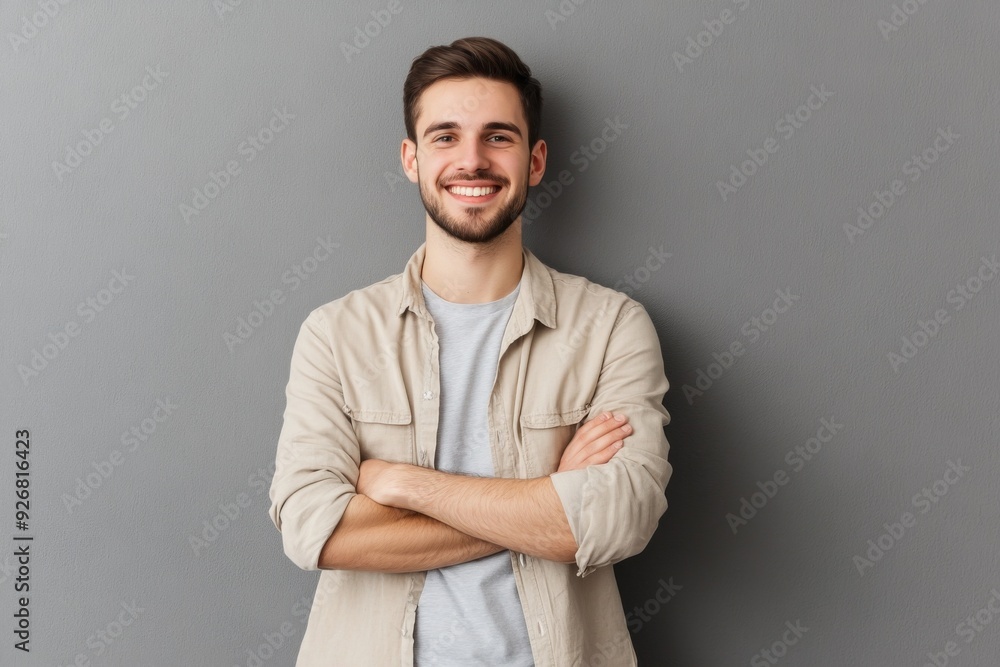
{"points": [[378, 538]]}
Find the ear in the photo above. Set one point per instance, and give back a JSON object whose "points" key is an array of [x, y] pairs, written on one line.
{"points": [[408, 155], [536, 163]]}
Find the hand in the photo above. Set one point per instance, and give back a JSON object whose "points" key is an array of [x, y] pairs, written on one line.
{"points": [[375, 480], [595, 442]]}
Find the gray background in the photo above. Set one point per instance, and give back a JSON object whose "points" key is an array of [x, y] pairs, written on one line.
{"points": [[333, 172]]}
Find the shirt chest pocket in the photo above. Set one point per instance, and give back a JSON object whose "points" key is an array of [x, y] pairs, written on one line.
{"points": [[384, 434], [545, 435], [379, 408]]}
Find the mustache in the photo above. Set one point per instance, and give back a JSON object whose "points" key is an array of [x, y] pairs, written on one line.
{"points": [[483, 177]]}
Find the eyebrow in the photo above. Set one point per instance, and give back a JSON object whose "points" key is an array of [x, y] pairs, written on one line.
{"points": [[492, 125]]}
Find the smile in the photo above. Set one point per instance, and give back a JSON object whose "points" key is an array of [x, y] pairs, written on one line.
{"points": [[477, 192]]}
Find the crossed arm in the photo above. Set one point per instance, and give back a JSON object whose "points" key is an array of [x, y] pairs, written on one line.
{"points": [[408, 518]]}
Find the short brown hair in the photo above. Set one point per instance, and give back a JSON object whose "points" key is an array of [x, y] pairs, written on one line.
{"points": [[467, 58]]}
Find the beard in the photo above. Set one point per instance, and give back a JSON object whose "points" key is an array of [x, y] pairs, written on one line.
{"points": [[479, 225]]}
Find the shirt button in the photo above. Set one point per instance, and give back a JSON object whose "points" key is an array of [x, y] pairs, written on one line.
{"points": [[428, 395], [520, 557]]}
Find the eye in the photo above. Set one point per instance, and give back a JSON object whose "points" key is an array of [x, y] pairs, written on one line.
{"points": [[444, 136], [501, 136]]}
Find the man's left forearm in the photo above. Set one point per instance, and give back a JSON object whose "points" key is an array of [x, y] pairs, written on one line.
{"points": [[523, 515]]}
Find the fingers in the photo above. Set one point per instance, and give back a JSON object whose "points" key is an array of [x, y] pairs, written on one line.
{"points": [[599, 426], [604, 430], [602, 456], [596, 441], [609, 443], [602, 423], [599, 452]]}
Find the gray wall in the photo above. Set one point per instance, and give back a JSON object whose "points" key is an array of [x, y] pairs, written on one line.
{"points": [[163, 328]]}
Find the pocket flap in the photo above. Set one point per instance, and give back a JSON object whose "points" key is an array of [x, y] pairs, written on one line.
{"points": [[551, 419], [400, 416]]}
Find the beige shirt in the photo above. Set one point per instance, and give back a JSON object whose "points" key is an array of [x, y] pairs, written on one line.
{"points": [[364, 383]]}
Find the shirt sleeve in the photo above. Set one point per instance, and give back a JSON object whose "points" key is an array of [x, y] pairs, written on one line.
{"points": [[318, 455], [614, 508]]}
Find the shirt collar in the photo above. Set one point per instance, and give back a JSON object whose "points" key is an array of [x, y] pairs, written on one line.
{"points": [[536, 300]]}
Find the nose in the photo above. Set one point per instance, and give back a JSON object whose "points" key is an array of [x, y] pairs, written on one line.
{"points": [[472, 156]]}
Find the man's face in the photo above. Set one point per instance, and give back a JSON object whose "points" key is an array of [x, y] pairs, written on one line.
{"points": [[471, 158]]}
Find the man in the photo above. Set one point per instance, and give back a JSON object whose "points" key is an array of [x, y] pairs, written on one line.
{"points": [[430, 462]]}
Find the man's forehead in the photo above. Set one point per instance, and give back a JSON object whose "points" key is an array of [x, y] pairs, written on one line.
{"points": [[465, 101]]}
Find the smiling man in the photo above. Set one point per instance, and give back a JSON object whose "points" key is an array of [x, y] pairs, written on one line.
{"points": [[469, 444]]}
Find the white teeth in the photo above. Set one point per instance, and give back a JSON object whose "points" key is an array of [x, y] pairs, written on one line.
{"points": [[473, 192]]}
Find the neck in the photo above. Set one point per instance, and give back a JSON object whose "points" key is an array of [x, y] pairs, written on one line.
{"points": [[472, 272]]}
